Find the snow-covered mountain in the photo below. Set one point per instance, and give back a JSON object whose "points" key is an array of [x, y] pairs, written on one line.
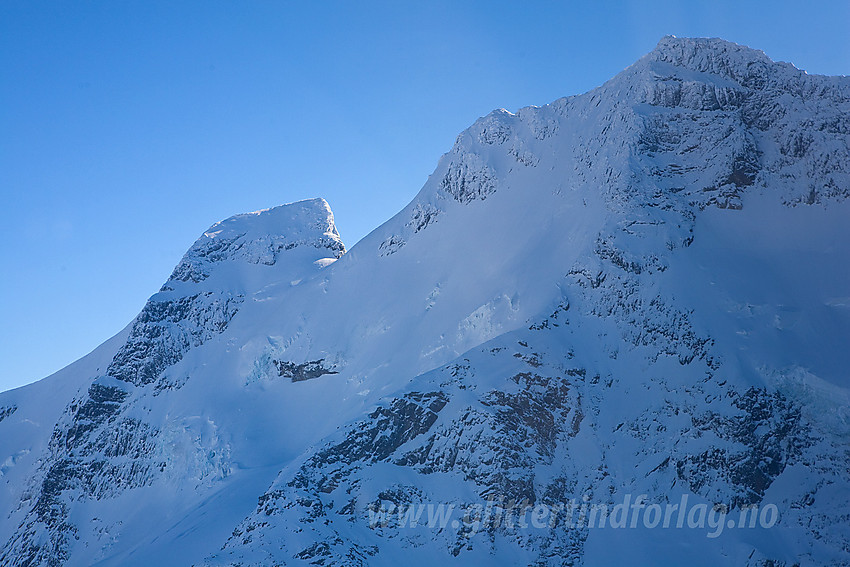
{"points": [[639, 296]]}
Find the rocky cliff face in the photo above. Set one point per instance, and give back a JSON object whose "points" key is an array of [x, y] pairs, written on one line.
{"points": [[640, 292], [100, 447]]}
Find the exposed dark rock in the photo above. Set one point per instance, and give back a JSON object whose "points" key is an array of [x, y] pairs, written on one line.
{"points": [[466, 181], [766, 435], [305, 371], [7, 411]]}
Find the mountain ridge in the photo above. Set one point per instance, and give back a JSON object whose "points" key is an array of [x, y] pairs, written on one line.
{"points": [[556, 309]]}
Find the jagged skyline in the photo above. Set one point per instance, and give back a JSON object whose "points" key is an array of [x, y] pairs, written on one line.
{"points": [[131, 129]]}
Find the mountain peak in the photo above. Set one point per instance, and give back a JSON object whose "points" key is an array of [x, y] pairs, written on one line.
{"points": [[304, 214], [259, 237], [696, 51], [715, 56]]}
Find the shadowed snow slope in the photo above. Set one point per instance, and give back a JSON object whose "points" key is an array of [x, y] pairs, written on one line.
{"points": [[643, 289]]}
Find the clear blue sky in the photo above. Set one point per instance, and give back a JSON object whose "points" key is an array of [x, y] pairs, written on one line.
{"points": [[127, 128]]}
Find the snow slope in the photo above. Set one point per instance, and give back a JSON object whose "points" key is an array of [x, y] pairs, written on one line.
{"points": [[639, 290]]}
